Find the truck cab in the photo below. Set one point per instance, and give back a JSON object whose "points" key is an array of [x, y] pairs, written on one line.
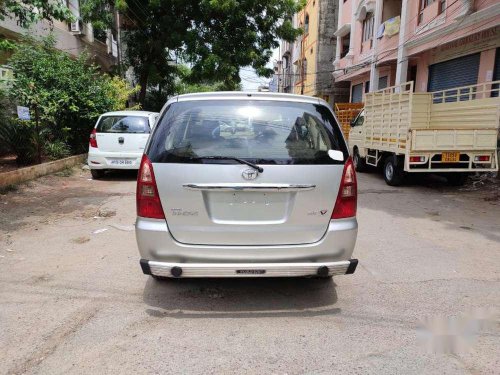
{"points": [[356, 141]]}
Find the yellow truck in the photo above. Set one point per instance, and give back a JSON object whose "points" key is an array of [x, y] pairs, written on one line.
{"points": [[453, 132]]}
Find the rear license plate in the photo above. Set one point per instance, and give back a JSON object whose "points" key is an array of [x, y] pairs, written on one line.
{"points": [[450, 157], [121, 162], [250, 272]]}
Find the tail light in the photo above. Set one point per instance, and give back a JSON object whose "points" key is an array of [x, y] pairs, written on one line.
{"points": [[148, 200], [482, 158], [417, 159], [93, 139], [347, 199]]}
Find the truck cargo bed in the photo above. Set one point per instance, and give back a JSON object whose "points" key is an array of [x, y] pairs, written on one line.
{"points": [[450, 130]]}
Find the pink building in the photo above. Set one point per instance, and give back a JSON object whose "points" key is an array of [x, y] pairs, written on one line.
{"points": [[438, 44]]}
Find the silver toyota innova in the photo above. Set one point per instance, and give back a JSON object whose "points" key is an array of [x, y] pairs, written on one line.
{"points": [[246, 185]]}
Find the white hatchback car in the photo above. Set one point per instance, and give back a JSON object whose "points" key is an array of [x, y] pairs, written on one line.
{"points": [[118, 140]]}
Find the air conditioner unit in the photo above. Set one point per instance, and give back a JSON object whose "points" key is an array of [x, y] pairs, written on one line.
{"points": [[75, 27]]}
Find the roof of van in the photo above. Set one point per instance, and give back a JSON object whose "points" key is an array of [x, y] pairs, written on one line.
{"points": [[247, 95], [130, 113]]}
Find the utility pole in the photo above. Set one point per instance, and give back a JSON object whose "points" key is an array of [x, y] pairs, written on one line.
{"points": [[302, 70], [302, 76], [118, 42]]}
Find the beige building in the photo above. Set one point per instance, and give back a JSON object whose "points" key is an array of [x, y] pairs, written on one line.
{"points": [[307, 64], [73, 38]]}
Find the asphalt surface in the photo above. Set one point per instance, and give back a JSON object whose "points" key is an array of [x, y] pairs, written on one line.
{"points": [[424, 299]]}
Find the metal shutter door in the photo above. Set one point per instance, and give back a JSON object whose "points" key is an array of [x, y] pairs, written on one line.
{"points": [[496, 73], [357, 93], [462, 71]]}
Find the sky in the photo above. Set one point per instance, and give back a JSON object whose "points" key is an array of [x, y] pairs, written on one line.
{"points": [[250, 80]]}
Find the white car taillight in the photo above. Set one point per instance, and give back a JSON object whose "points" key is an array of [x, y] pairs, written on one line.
{"points": [[147, 198], [347, 198], [93, 139]]}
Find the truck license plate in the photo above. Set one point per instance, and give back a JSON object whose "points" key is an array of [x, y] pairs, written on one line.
{"points": [[450, 157]]}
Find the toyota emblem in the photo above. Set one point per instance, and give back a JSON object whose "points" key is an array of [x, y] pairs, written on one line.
{"points": [[249, 174]]}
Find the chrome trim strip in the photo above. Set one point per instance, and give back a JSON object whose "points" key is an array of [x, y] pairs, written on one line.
{"points": [[250, 187], [230, 269]]}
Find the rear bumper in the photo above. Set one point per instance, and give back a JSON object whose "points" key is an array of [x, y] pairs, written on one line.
{"points": [[189, 270], [108, 160], [161, 252], [466, 163]]}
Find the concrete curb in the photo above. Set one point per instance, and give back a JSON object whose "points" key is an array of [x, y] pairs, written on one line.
{"points": [[35, 171]]}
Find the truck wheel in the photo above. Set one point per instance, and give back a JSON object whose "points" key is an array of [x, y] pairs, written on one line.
{"points": [[456, 179], [393, 174], [359, 162], [96, 173]]}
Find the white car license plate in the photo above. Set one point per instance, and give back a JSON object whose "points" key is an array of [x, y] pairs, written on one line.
{"points": [[121, 162]]}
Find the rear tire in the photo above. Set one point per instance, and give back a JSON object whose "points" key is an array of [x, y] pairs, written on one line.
{"points": [[359, 162], [393, 173], [96, 173], [456, 179]]}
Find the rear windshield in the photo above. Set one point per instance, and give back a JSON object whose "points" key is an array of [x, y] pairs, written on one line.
{"points": [[123, 124], [265, 132]]}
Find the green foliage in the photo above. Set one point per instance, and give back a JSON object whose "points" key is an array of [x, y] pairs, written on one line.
{"points": [[229, 34], [180, 82], [57, 150], [7, 45], [5, 112], [27, 12], [119, 91], [216, 37], [20, 138], [186, 83], [67, 94]]}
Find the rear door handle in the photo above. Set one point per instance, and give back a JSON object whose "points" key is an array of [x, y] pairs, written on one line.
{"points": [[250, 187]]}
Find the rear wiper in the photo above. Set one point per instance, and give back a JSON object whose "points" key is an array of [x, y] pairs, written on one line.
{"points": [[241, 161]]}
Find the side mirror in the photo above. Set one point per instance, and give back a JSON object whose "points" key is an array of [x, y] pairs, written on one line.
{"points": [[336, 155]]}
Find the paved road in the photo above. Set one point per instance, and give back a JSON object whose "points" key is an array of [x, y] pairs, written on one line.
{"points": [[73, 298]]}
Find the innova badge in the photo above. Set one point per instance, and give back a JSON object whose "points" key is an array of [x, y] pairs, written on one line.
{"points": [[249, 174]]}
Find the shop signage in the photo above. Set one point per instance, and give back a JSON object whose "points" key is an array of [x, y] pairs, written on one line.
{"points": [[473, 43]]}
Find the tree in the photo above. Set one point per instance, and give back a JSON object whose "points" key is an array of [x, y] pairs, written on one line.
{"points": [[27, 12], [67, 95], [229, 34], [216, 37], [177, 83]]}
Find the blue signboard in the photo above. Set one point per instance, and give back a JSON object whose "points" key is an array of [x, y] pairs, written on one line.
{"points": [[23, 113]]}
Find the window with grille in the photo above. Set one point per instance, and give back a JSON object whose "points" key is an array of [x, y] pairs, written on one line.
{"points": [[368, 24], [424, 4]]}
